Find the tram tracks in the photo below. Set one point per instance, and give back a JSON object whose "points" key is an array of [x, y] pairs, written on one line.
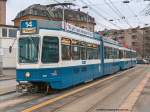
{"points": [[97, 88], [16, 99], [21, 102], [70, 98], [112, 94]]}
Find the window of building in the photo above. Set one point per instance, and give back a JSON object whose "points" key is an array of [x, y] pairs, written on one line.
{"points": [[134, 44], [134, 36], [50, 50], [4, 32], [66, 48], [12, 33]]}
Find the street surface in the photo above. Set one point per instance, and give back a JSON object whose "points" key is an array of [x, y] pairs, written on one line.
{"points": [[7, 81], [7, 86], [107, 94]]}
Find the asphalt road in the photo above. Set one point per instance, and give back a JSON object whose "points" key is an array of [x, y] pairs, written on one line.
{"points": [[111, 97], [106, 94]]}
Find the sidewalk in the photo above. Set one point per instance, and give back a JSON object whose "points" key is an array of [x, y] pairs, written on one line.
{"points": [[8, 81], [8, 74], [142, 104]]}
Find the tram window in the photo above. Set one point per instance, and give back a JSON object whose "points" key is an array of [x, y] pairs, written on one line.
{"points": [[75, 52], [90, 54], [83, 53], [116, 53], [105, 52], [124, 54], [66, 49], [50, 50], [28, 49], [66, 54], [128, 54], [110, 53], [120, 54], [95, 53], [98, 52], [83, 50]]}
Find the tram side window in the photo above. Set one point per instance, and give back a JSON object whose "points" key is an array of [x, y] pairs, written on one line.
{"points": [[50, 50], [120, 54], [83, 51], [134, 54], [75, 50], [107, 51], [89, 53], [128, 54], [92, 51], [66, 49], [124, 54], [96, 52], [116, 52]]}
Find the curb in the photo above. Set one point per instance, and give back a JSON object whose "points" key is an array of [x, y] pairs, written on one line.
{"points": [[13, 91], [3, 78]]}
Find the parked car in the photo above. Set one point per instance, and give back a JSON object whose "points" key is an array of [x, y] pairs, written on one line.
{"points": [[142, 61]]}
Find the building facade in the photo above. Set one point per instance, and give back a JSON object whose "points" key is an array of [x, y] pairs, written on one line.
{"points": [[57, 12], [8, 36], [130, 38], [146, 42], [3, 11]]}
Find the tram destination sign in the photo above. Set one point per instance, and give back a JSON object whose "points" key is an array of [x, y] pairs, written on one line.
{"points": [[72, 28], [29, 27]]}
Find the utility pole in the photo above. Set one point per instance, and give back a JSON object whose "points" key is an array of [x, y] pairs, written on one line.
{"points": [[1, 62], [63, 16], [143, 43]]}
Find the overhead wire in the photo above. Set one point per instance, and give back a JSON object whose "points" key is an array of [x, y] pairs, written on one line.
{"points": [[97, 22], [135, 15], [116, 10], [99, 14]]}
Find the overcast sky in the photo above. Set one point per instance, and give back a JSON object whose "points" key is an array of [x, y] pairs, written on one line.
{"points": [[102, 10]]}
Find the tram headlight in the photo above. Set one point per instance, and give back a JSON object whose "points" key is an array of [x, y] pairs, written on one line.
{"points": [[27, 74]]}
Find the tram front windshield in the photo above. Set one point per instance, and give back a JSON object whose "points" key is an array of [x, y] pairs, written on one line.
{"points": [[28, 49]]}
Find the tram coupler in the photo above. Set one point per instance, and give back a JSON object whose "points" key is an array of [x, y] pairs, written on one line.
{"points": [[26, 88]]}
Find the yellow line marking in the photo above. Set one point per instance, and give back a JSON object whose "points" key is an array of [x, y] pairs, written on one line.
{"points": [[133, 96], [68, 94]]}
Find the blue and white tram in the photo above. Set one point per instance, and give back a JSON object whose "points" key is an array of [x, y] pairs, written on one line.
{"points": [[111, 56], [59, 58]]}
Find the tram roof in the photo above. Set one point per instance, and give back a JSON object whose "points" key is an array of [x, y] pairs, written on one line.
{"points": [[36, 25]]}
